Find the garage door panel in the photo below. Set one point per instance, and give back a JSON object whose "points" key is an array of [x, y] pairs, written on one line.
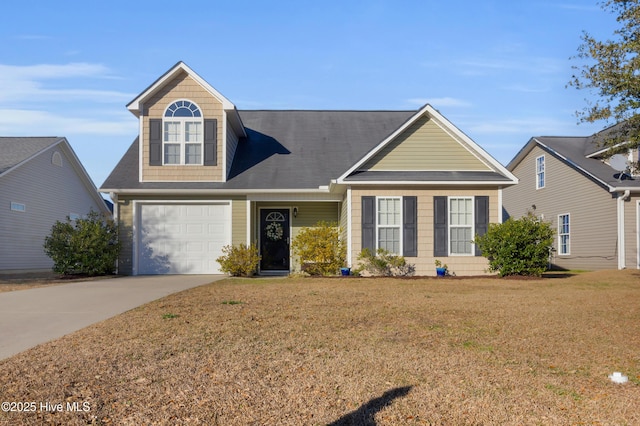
{"points": [[172, 238]]}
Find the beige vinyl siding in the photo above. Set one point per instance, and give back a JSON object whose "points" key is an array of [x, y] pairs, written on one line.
{"points": [[593, 229], [425, 146], [49, 193], [181, 87], [123, 210], [309, 213], [460, 265], [126, 222]]}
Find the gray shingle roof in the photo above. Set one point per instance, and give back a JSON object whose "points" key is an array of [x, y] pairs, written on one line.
{"points": [[285, 150], [15, 150], [575, 151]]}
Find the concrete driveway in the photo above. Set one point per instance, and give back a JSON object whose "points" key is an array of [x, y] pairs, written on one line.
{"points": [[31, 317]]}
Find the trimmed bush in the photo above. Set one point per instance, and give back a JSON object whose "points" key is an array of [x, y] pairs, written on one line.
{"points": [[320, 249], [87, 246], [383, 263], [517, 246], [239, 260]]}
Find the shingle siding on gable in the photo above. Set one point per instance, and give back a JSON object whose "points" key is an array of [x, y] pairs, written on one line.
{"points": [[181, 87], [592, 208], [49, 193], [424, 146]]}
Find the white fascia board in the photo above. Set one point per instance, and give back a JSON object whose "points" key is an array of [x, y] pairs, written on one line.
{"points": [[125, 191], [602, 151], [382, 144], [135, 105], [428, 183], [447, 126], [573, 164]]}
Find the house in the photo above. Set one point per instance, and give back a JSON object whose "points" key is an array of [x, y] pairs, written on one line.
{"points": [[594, 208], [41, 181], [202, 175]]}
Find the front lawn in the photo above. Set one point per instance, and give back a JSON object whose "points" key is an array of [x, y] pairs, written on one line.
{"points": [[348, 351]]}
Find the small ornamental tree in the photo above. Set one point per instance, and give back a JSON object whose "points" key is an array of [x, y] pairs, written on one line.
{"points": [[320, 248], [517, 246], [86, 245]]}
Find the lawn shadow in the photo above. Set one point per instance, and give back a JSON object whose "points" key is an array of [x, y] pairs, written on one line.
{"points": [[364, 416]]}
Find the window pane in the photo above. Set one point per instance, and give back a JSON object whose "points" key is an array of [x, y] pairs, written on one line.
{"points": [[460, 240], [171, 131], [192, 155], [389, 239], [192, 131], [389, 211], [171, 153], [460, 211]]}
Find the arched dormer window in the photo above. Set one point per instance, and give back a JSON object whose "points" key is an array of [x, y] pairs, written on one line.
{"points": [[182, 141]]}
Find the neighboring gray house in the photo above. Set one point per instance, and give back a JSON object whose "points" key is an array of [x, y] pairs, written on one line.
{"points": [[594, 210], [41, 181]]}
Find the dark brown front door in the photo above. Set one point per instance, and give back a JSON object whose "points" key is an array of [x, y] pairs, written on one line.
{"points": [[274, 240]]}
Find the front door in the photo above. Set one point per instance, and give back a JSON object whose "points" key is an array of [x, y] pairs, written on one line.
{"points": [[274, 240]]}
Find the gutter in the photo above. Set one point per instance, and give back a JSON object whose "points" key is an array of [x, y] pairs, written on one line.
{"points": [[621, 241]]}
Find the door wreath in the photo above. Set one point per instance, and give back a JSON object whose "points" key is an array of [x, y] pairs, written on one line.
{"points": [[274, 231]]}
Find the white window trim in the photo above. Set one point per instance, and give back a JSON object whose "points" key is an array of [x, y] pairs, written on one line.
{"points": [[449, 225], [182, 142], [543, 172], [560, 234], [400, 226], [18, 207]]}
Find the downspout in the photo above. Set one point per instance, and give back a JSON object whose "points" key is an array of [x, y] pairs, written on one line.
{"points": [[116, 210], [622, 264]]}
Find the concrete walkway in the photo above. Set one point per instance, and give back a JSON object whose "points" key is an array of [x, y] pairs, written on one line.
{"points": [[31, 317]]}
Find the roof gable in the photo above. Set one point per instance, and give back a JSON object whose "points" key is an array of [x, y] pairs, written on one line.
{"points": [[135, 105], [428, 142], [17, 150], [425, 146], [573, 151]]}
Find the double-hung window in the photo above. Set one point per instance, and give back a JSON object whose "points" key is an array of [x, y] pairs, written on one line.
{"points": [[460, 225], [564, 239], [182, 137], [389, 224], [540, 172]]}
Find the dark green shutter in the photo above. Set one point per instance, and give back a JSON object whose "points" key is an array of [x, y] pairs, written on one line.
{"points": [[155, 142], [369, 223], [481, 218], [410, 226], [440, 232], [210, 142]]}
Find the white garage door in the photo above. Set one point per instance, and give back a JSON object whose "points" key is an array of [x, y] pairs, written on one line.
{"points": [[182, 238]]}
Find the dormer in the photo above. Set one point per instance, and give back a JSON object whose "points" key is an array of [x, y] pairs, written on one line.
{"points": [[188, 130]]}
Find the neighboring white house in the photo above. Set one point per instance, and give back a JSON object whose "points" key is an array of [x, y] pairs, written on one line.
{"points": [[41, 181]]}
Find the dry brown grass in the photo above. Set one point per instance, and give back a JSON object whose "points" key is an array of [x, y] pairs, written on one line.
{"points": [[25, 281], [350, 351]]}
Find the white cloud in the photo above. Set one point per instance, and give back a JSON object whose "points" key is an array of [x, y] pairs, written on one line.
{"points": [[27, 83], [41, 123]]}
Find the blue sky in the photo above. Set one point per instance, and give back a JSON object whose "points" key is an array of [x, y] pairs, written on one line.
{"points": [[496, 69]]}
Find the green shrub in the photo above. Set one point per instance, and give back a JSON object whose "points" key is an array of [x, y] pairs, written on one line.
{"points": [[239, 260], [384, 263], [320, 249], [517, 246], [86, 246]]}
